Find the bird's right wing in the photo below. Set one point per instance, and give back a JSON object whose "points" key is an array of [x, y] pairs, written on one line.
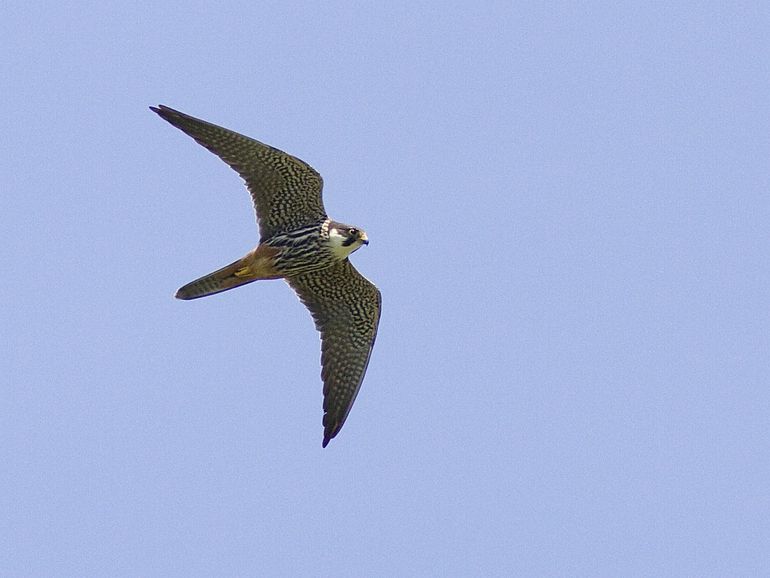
{"points": [[346, 309], [286, 191]]}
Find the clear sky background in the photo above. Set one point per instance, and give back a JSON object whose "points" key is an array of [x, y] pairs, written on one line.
{"points": [[568, 208]]}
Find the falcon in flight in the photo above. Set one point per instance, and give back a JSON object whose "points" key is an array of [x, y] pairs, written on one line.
{"points": [[299, 243]]}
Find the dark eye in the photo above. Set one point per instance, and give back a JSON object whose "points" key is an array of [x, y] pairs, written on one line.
{"points": [[353, 232]]}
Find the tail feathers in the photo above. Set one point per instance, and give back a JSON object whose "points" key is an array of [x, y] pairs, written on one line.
{"points": [[233, 275]]}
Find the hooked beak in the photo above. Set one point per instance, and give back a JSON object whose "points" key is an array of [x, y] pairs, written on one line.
{"points": [[364, 239]]}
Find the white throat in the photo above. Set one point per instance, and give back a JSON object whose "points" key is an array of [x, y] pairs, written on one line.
{"points": [[338, 249]]}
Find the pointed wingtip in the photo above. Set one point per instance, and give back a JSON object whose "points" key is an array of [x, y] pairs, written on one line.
{"points": [[330, 429], [165, 112], [329, 434], [182, 294]]}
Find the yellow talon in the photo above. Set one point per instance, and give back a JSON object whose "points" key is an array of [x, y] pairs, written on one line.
{"points": [[243, 272]]}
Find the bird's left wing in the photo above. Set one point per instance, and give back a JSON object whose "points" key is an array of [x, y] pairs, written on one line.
{"points": [[346, 309]]}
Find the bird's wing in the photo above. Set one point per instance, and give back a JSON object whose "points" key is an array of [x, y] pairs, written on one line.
{"points": [[346, 310], [286, 191]]}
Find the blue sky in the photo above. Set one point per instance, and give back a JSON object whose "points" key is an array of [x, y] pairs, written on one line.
{"points": [[568, 212]]}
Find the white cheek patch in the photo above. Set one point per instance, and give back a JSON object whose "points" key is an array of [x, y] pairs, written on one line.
{"points": [[336, 241]]}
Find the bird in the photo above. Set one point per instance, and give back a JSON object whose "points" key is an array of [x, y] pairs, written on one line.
{"points": [[299, 243]]}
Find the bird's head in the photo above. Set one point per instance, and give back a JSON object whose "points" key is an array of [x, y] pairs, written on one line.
{"points": [[345, 239]]}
